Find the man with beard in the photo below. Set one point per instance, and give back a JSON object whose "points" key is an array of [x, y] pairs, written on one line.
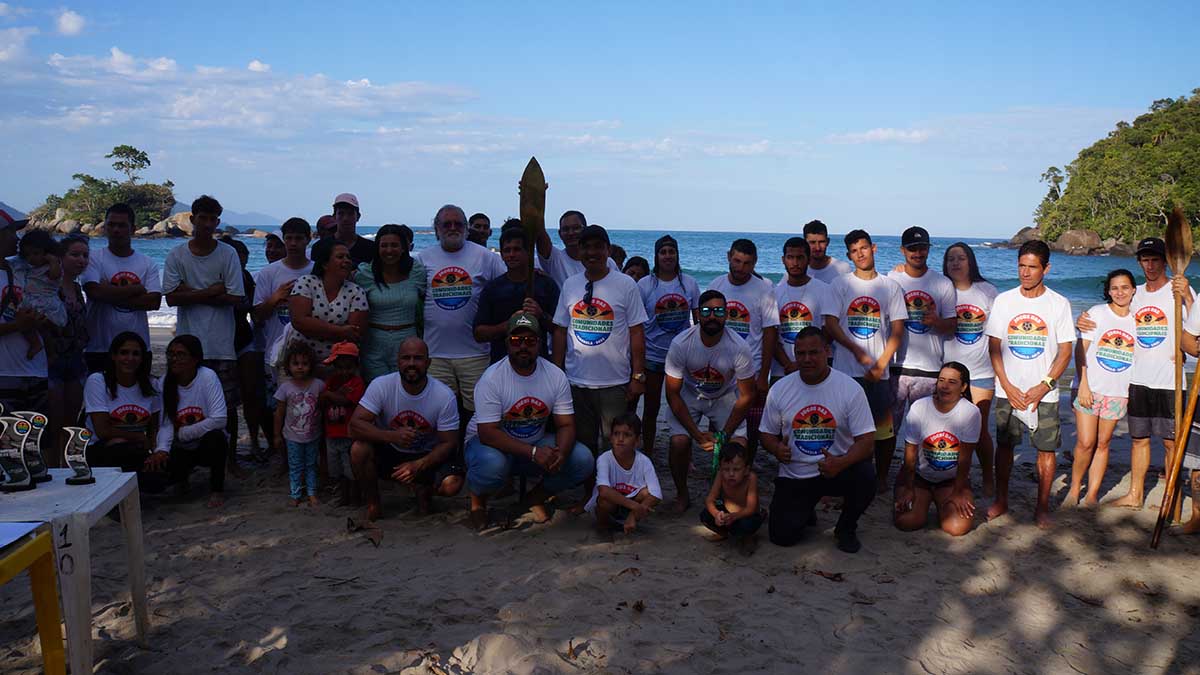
{"points": [[821, 266], [479, 229], [709, 373], [405, 427], [564, 262], [514, 400]]}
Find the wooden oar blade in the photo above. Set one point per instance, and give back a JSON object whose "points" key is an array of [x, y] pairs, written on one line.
{"points": [[533, 196], [1178, 240]]}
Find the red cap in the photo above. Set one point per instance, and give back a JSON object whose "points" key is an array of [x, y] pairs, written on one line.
{"points": [[342, 349]]}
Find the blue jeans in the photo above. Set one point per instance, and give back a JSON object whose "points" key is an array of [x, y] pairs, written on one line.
{"points": [[488, 469], [302, 467]]}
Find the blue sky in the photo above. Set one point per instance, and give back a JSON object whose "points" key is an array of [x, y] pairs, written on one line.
{"points": [[723, 116]]}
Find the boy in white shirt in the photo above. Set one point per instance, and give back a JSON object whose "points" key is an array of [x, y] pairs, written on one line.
{"points": [[627, 488]]}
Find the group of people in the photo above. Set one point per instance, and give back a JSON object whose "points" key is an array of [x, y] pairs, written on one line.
{"points": [[456, 366]]}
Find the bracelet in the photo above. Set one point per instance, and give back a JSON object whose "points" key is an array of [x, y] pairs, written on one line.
{"points": [[533, 452]]}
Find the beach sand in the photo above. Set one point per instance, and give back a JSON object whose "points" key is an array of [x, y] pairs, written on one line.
{"points": [[259, 586]]}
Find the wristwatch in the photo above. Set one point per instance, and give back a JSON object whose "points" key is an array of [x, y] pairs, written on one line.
{"points": [[1050, 382], [639, 377]]}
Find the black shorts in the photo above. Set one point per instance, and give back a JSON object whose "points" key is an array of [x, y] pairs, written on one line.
{"points": [[387, 458], [879, 397], [926, 484], [1151, 412]]}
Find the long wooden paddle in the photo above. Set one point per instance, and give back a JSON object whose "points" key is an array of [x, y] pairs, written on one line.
{"points": [[533, 212], [1170, 496], [1179, 254]]}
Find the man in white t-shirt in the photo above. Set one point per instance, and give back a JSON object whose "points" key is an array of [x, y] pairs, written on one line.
{"points": [[709, 373], [599, 341], [750, 312], [931, 302], [122, 285], [456, 270], [869, 327], [514, 400], [1030, 336], [802, 301], [820, 265], [817, 424], [567, 261], [406, 428], [273, 283]]}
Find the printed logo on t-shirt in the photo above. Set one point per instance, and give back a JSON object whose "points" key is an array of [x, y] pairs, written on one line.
{"points": [[671, 312], [793, 318], [129, 417], [1027, 336], [525, 418], [863, 317], [11, 298], [813, 429], [737, 318], [124, 278], [709, 380], [624, 488], [970, 325], [450, 288], [189, 415], [1150, 323], [919, 303], [415, 421], [1115, 351], [941, 450], [592, 323]]}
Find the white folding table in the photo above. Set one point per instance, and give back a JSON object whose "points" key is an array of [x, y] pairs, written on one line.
{"points": [[72, 510]]}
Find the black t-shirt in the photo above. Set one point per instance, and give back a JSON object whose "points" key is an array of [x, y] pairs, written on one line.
{"points": [[362, 251], [501, 297]]}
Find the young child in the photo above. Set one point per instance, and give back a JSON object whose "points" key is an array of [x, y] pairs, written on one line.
{"points": [[626, 486], [38, 260], [298, 420], [732, 504], [342, 392]]}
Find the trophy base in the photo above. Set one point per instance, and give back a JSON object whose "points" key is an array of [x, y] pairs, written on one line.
{"points": [[16, 488], [44, 478], [76, 480]]}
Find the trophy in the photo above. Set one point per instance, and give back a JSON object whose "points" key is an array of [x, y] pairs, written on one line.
{"points": [[33, 445], [13, 431], [75, 453]]}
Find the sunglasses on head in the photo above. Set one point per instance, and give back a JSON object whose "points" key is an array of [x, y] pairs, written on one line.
{"points": [[706, 312]]}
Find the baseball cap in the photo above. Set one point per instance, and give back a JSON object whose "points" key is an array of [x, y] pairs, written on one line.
{"points": [[7, 221], [1152, 245], [325, 222], [524, 321], [914, 236], [346, 198], [342, 349], [593, 232]]}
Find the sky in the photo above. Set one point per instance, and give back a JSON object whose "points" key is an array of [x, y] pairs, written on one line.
{"points": [[705, 116]]}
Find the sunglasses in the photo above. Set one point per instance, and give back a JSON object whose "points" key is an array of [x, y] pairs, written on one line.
{"points": [[587, 294], [526, 340], [706, 312]]}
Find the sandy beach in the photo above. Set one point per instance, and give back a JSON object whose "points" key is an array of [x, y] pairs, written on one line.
{"points": [[262, 587]]}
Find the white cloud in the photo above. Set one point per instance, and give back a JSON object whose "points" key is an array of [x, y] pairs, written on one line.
{"points": [[257, 66], [12, 42], [882, 135], [70, 23], [8, 11], [87, 70]]}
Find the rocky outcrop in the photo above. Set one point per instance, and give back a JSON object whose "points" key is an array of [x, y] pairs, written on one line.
{"points": [[1078, 242], [1025, 234], [1072, 242]]}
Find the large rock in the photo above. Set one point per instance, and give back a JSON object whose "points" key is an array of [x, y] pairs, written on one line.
{"points": [[97, 230], [143, 232], [1117, 247], [1025, 234], [229, 229], [178, 225], [257, 234], [60, 214], [68, 227], [1079, 242]]}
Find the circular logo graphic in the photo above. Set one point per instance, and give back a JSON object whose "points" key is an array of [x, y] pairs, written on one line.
{"points": [[129, 416], [593, 323], [22, 427], [941, 450], [417, 422], [85, 435], [919, 303], [863, 317], [671, 312], [971, 321], [124, 278], [38, 421], [450, 288], [526, 418], [1150, 324], [813, 430], [1114, 350], [189, 415], [737, 318], [793, 318], [1027, 336], [708, 380]]}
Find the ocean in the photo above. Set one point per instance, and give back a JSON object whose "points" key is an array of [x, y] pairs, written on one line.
{"points": [[702, 255]]}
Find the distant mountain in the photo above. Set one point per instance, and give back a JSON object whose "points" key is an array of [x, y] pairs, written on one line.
{"points": [[239, 220], [16, 214]]}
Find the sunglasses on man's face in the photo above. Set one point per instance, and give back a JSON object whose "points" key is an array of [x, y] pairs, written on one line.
{"points": [[706, 312], [523, 340]]}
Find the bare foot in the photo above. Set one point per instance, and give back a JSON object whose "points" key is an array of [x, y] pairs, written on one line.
{"points": [[1190, 527], [1129, 501], [716, 537], [313, 501], [539, 513], [216, 500], [996, 510], [479, 518], [679, 506], [293, 502], [1090, 502], [374, 512], [630, 524], [1071, 500], [1044, 520]]}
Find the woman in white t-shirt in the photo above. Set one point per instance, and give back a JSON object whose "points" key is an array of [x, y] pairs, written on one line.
{"points": [[969, 344], [122, 407], [671, 299], [1103, 367], [939, 439], [326, 306], [192, 432]]}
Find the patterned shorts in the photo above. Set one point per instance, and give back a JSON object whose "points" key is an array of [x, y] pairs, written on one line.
{"points": [[1104, 407]]}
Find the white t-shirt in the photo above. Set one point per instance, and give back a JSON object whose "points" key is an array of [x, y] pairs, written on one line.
{"points": [[1154, 320], [866, 309], [598, 334], [939, 436], [709, 373], [13, 346], [106, 321], [921, 348], [429, 412], [561, 266], [268, 280], [302, 416], [629, 481], [1110, 351], [799, 308], [969, 344], [201, 409], [669, 306], [129, 411], [833, 270], [521, 404], [749, 308], [1030, 330], [815, 418], [213, 325], [453, 281]]}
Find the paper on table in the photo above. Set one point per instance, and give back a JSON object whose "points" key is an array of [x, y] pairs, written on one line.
{"points": [[10, 532]]}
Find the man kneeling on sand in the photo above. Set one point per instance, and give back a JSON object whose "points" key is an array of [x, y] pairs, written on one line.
{"points": [[514, 399], [405, 427]]}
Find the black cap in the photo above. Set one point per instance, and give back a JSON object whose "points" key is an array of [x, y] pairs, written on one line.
{"points": [[1152, 245], [914, 236], [593, 232]]}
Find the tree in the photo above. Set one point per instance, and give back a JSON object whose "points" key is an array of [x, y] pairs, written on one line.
{"points": [[130, 161]]}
